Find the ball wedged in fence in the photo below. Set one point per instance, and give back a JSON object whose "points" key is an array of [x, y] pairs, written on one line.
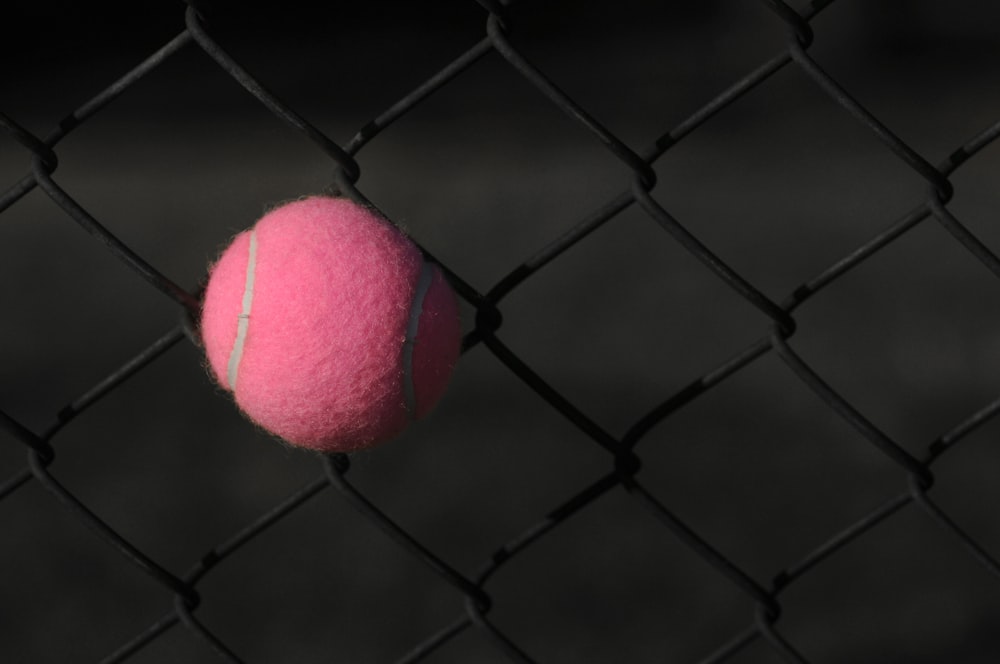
{"points": [[328, 326]]}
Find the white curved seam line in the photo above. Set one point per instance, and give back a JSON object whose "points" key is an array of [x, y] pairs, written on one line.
{"points": [[416, 309], [243, 320]]}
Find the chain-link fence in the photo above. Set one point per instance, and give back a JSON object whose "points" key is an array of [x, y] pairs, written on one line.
{"points": [[729, 374]]}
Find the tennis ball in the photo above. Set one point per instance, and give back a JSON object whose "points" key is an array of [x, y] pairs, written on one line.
{"points": [[328, 326]]}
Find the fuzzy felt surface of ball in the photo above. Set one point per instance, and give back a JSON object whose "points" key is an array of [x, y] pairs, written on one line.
{"points": [[328, 326]]}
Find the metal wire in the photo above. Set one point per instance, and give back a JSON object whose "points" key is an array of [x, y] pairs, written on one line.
{"points": [[775, 337]]}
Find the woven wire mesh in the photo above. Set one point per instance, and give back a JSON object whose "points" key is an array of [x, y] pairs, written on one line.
{"points": [[734, 475]]}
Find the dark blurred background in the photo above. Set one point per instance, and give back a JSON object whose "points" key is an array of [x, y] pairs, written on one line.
{"points": [[486, 172]]}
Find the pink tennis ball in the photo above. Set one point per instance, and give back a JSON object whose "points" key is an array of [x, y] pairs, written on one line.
{"points": [[328, 326]]}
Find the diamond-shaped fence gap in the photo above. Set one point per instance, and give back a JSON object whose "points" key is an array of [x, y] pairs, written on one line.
{"points": [[65, 266], [749, 179], [79, 575], [742, 462], [626, 568], [523, 473], [206, 201], [278, 598], [961, 357], [232, 146], [614, 310], [921, 579], [499, 208], [126, 478], [869, 340], [267, 594], [110, 211], [914, 66]]}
